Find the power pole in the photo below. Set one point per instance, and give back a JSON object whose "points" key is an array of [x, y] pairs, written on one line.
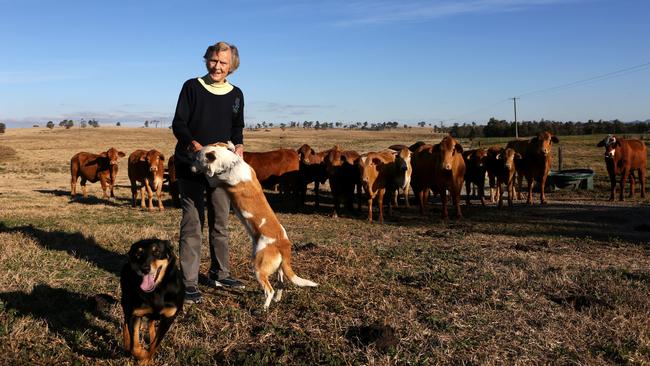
{"points": [[514, 100]]}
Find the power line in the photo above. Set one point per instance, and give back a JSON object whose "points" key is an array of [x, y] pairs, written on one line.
{"points": [[608, 75]]}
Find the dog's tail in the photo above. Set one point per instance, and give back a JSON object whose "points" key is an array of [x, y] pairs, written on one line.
{"points": [[286, 268]]}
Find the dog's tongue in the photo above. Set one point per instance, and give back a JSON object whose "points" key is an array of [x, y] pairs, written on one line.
{"points": [[148, 282]]}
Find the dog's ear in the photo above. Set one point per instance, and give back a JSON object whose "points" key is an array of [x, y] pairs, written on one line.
{"points": [[211, 156]]}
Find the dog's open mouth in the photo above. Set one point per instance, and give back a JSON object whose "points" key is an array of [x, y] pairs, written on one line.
{"points": [[149, 280]]}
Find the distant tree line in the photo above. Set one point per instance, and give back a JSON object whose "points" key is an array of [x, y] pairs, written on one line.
{"points": [[2, 127], [502, 128], [317, 125]]}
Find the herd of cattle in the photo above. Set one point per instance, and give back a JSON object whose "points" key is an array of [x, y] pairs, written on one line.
{"points": [[439, 168]]}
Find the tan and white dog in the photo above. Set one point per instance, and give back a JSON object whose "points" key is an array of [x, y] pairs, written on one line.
{"points": [[271, 246]]}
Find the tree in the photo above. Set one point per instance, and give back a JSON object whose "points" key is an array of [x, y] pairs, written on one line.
{"points": [[2, 127], [50, 125], [146, 123], [118, 124], [69, 124], [83, 123]]}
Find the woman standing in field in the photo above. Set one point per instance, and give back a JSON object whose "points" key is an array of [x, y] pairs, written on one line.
{"points": [[209, 110]]}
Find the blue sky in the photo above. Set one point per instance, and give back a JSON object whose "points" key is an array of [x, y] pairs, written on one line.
{"points": [[348, 61]]}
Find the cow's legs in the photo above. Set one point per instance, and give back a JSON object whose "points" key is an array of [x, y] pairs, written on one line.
{"points": [[369, 208], [481, 192], [531, 184], [632, 185], [104, 188], [613, 183], [134, 193], [73, 186], [455, 198], [520, 183], [642, 181], [380, 202], [543, 185], [468, 191], [443, 198], [84, 189], [624, 178], [159, 196]]}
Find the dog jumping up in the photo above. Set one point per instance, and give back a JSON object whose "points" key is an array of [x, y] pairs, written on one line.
{"points": [[271, 246], [151, 287]]}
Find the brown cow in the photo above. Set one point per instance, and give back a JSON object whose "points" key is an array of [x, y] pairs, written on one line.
{"points": [[475, 169], [535, 163], [404, 179], [276, 167], [381, 173], [148, 168], [505, 169], [94, 167], [343, 176], [623, 157], [493, 165], [440, 168], [312, 169]]}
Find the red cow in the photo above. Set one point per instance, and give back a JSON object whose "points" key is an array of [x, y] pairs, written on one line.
{"points": [[381, 173], [94, 167], [623, 157], [277, 167], [440, 168], [505, 168], [312, 169], [148, 168], [343, 176], [536, 161]]}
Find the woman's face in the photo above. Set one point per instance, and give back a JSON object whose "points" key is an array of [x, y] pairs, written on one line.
{"points": [[218, 65]]}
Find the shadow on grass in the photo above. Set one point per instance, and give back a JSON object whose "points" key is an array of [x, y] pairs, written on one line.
{"points": [[89, 200], [606, 223], [75, 244], [68, 314]]}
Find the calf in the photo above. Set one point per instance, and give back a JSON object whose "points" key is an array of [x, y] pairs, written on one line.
{"points": [[493, 165], [475, 169], [277, 167], [94, 167], [343, 176], [536, 161], [404, 180], [148, 168], [312, 169], [440, 168], [623, 157], [505, 165], [381, 173]]}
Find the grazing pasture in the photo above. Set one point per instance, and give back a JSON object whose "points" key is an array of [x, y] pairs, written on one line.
{"points": [[563, 283]]}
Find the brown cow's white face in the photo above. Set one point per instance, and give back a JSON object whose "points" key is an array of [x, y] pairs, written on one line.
{"points": [[610, 146]]}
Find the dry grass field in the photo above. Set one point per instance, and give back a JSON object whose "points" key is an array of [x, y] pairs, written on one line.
{"points": [[564, 283]]}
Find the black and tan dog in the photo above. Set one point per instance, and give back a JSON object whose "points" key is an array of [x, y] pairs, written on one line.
{"points": [[152, 288]]}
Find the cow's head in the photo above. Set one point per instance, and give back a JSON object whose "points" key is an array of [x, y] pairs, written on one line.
{"points": [[543, 143], [403, 159], [448, 148], [478, 157], [334, 160], [611, 143], [306, 154], [369, 166], [154, 159], [508, 157], [112, 154]]}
